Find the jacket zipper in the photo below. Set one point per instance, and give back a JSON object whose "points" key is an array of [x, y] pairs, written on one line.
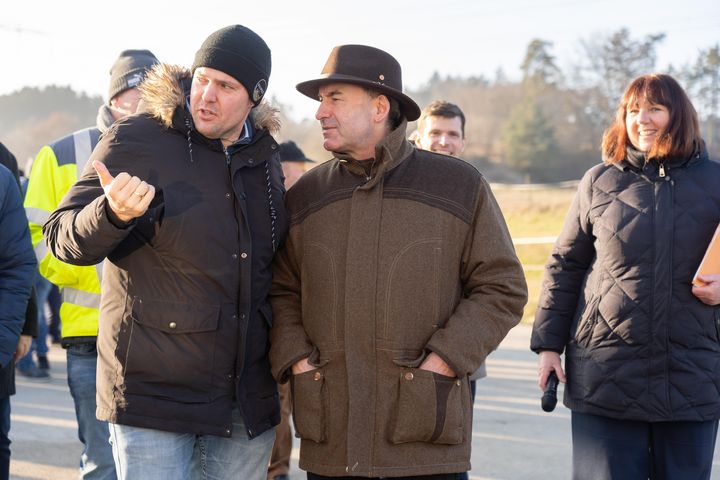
{"points": [[240, 362], [671, 184], [368, 176]]}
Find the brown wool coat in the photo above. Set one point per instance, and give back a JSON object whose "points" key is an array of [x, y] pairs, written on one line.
{"points": [[376, 274]]}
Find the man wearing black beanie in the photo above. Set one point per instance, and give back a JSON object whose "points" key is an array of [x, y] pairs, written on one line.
{"points": [[185, 200]]}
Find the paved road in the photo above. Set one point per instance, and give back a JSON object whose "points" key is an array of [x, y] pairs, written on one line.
{"points": [[513, 439]]}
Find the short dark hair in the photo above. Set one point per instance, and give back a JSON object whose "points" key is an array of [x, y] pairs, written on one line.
{"points": [[442, 108], [395, 116], [682, 133]]}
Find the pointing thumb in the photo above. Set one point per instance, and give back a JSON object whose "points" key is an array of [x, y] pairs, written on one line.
{"points": [[103, 173]]}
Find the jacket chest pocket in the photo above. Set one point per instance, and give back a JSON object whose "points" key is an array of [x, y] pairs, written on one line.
{"points": [[184, 232], [411, 300], [169, 350]]}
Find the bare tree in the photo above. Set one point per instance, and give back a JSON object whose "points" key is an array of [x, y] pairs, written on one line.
{"points": [[609, 64], [703, 85]]}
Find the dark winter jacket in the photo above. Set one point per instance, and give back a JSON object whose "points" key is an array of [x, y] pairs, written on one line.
{"points": [[30, 327], [17, 275], [617, 295], [184, 319]]}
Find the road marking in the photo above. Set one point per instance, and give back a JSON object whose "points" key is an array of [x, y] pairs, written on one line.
{"points": [[44, 386], [510, 438], [38, 471], [45, 421], [41, 406], [534, 240], [521, 411]]}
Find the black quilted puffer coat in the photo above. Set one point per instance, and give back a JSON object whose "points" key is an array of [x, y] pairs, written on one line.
{"points": [[616, 296]]}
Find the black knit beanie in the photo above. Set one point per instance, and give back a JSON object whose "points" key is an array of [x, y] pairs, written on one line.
{"points": [[242, 54], [129, 70]]}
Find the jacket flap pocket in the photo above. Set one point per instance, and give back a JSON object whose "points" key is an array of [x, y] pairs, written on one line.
{"points": [[429, 409], [176, 317], [408, 358], [308, 397]]}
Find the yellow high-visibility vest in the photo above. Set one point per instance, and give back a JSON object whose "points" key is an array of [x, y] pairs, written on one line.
{"points": [[56, 168]]}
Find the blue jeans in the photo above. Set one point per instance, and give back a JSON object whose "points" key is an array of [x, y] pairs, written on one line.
{"points": [[96, 461], [147, 454], [39, 344], [4, 438]]}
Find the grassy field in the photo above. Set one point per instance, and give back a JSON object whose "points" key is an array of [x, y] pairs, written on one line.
{"points": [[533, 212]]}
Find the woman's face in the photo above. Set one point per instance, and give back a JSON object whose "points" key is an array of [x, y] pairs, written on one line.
{"points": [[645, 122]]}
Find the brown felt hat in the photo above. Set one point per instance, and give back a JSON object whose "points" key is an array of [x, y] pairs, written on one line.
{"points": [[365, 66]]}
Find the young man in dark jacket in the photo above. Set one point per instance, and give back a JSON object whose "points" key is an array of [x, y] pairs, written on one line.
{"points": [[17, 274], [398, 278], [187, 207]]}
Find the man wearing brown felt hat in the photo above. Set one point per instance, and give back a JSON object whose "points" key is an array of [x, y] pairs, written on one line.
{"points": [[397, 279]]}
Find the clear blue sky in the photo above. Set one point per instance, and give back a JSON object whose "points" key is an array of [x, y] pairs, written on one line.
{"points": [[44, 42]]}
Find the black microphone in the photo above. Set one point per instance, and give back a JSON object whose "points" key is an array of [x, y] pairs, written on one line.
{"points": [[549, 398]]}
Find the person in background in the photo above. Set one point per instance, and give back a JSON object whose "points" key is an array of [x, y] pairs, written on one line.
{"points": [[18, 268], [398, 278], [55, 169], [642, 359], [26, 366], [294, 164], [441, 129], [185, 200], [52, 313], [30, 327]]}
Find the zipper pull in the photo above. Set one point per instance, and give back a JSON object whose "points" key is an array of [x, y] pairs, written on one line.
{"points": [[662, 170], [227, 156]]}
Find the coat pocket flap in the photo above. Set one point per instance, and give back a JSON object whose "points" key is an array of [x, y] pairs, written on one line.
{"points": [[429, 409], [308, 398], [176, 317]]}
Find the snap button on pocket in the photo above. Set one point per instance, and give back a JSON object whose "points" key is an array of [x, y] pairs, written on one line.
{"points": [[317, 376], [409, 376], [172, 325], [457, 382]]}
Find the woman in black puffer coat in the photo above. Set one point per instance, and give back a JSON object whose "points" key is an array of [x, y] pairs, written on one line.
{"points": [[641, 344]]}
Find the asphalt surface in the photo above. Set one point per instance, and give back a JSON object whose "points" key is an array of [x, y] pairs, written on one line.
{"points": [[513, 438]]}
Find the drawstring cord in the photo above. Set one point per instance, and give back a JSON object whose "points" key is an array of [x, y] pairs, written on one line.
{"points": [[189, 139], [273, 212]]}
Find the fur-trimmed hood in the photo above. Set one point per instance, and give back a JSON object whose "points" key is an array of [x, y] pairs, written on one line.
{"points": [[165, 89]]}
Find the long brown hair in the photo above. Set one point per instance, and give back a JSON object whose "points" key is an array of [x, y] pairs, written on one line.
{"points": [[682, 132]]}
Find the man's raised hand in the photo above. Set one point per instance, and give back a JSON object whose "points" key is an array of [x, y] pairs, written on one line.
{"points": [[128, 197]]}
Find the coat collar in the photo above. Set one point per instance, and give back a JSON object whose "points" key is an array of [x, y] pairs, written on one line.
{"points": [[164, 94], [635, 160], [392, 150]]}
